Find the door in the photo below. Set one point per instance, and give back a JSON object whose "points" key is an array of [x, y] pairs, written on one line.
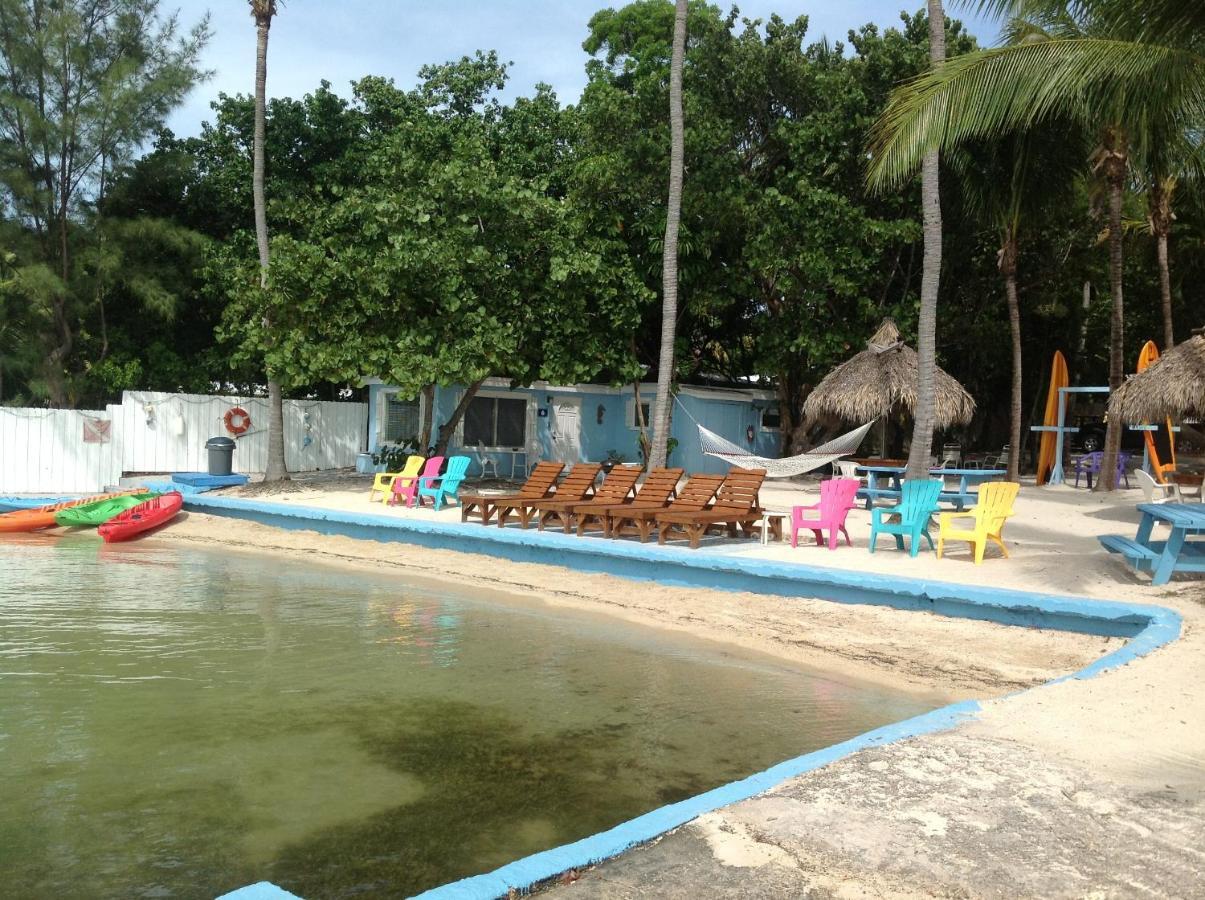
{"points": [[566, 429]]}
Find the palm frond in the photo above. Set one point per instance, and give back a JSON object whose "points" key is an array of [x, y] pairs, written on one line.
{"points": [[993, 92]]}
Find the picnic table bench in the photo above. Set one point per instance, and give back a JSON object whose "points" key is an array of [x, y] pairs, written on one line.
{"points": [[1162, 558], [961, 498]]}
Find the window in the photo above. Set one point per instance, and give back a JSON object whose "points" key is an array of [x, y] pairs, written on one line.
{"points": [[402, 420], [645, 410], [770, 419], [496, 422]]}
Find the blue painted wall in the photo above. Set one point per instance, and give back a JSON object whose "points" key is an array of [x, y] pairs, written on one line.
{"points": [[605, 423]]}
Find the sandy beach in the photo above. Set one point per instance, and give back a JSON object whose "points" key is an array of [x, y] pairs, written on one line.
{"points": [[1082, 788]]}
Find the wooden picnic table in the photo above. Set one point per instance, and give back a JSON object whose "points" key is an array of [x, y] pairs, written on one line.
{"points": [[967, 478], [1162, 558]]}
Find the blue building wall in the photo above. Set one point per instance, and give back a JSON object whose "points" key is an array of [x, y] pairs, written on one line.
{"points": [[606, 422]]}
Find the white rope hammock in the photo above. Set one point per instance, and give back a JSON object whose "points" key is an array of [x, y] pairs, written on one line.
{"points": [[714, 445]]}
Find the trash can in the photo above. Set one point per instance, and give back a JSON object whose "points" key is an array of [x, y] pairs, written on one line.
{"points": [[221, 455]]}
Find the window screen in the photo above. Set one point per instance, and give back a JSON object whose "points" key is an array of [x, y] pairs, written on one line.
{"points": [[646, 409], [770, 418], [401, 419], [496, 422]]}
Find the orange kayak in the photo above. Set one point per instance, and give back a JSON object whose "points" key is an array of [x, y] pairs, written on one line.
{"points": [[43, 516]]}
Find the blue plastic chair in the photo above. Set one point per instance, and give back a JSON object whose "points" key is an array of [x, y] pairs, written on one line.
{"points": [[446, 485], [918, 502]]}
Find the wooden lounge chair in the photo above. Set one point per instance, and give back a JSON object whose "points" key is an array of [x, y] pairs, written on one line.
{"points": [[576, 487], [735, 507], [615, 489], [539, 485], [640, 520], [989, 514], [654, 494]]}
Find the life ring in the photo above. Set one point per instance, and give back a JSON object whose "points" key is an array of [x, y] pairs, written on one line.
{"points": [[236, 414]]}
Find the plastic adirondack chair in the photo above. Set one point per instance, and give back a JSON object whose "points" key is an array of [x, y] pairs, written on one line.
{"points": [[405, 489], [1123, 469], [1153, 491], [1088, 465], [384, 480], [446, 485], [918, 501], [837, 498], [989, 514]]}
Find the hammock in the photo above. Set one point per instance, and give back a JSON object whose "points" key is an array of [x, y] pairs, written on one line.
{"points": [[714, 445]]}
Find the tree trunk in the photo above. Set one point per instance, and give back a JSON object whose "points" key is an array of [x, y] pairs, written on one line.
{"points": [[669, 250], [1161, 226], [1008, 267], [424, 437], [926, 337], [448, 428], [1114, 166], [277, 468]]}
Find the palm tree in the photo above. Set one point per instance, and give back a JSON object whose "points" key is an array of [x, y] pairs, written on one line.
{"points": [[669, 249], [926, 327], [1160, 218], [263, 11], [1134, 67]]}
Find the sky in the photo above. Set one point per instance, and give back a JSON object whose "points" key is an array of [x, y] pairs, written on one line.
{"points": [[344, 40]]}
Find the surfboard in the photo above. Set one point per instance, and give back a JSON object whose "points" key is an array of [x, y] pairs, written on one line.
{"points": [[1059, 378], [1161, 444]]}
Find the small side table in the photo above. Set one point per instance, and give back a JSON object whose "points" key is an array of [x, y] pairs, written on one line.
{"points": [[770, 524], [1187, 482]]}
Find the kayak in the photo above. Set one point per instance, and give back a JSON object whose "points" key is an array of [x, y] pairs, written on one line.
{"points": [[143, 517], [43, 516], [89, 515]]}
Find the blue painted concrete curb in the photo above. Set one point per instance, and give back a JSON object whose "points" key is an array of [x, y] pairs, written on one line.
{"points": [[1147, 627]]}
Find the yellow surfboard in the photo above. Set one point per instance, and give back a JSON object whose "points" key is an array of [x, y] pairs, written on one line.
{"points": [[1158, 442], [1058, 379]]}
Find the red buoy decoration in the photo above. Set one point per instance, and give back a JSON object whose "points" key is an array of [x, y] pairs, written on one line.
{"points": [[237, 420]]}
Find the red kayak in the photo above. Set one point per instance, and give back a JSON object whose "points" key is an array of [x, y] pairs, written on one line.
{"points": [[143, 517]]}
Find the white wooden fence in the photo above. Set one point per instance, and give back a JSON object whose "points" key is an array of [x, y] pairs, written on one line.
{"points": [[64, 451]]}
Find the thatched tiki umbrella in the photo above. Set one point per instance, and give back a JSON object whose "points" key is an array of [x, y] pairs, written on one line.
{"points": [[1172, 387], [882, 379]]}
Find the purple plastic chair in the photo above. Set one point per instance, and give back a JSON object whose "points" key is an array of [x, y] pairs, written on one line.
{"points": [[1090, 463], [837, 498], [406, 489]]}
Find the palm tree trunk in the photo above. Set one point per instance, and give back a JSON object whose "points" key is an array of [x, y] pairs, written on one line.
{"points": [[1114, 166], [926, 337], [1161, 225], [669, 250], [277, 468], [1008, 266]]}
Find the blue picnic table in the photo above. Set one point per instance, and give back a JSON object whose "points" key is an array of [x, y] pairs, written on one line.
{"points": [[961, 498], [1162, 558]]}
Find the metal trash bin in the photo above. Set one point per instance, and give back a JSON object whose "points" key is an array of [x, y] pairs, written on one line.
{"points": [[221, 455]]}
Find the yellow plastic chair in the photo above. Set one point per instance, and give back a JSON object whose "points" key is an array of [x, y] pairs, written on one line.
{"points": [[989, 514], [383, 481]]}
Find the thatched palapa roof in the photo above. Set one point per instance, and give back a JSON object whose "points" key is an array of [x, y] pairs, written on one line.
{"points": [[882, 378], [1173, 387]]}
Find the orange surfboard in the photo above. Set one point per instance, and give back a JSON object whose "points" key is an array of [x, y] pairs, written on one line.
{"points": [[1059, 378], [1158, 442]]}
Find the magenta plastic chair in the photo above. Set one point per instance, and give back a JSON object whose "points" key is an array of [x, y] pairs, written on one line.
{"points": [[837, 498], [406, 489]]}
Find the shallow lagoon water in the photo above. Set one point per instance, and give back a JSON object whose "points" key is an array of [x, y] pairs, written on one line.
{"points": [[180, 722]]}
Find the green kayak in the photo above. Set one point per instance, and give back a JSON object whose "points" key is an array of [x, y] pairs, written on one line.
{"points": [[93, 514]]}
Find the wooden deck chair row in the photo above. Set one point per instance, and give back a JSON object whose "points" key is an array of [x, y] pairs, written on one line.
{"points": [[575, 487], [654, 494], [735, 507], [640, 520], [617, 488], [539, 484]]}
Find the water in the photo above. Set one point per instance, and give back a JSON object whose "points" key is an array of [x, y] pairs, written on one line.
{"points": [[180, 722]]}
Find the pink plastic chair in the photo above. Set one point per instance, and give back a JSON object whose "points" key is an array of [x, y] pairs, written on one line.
{"points": [[406, 489], [837, 498]]}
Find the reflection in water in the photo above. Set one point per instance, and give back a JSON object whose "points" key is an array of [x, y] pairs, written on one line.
{"points": [[182, 722]]}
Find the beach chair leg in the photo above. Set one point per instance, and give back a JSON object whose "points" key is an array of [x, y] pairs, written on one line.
{"points": [[1000, 542], [874, 536], [696, 534], [941, 544], [899, 543], [794, 537], [848, 542], [979, 545]]}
